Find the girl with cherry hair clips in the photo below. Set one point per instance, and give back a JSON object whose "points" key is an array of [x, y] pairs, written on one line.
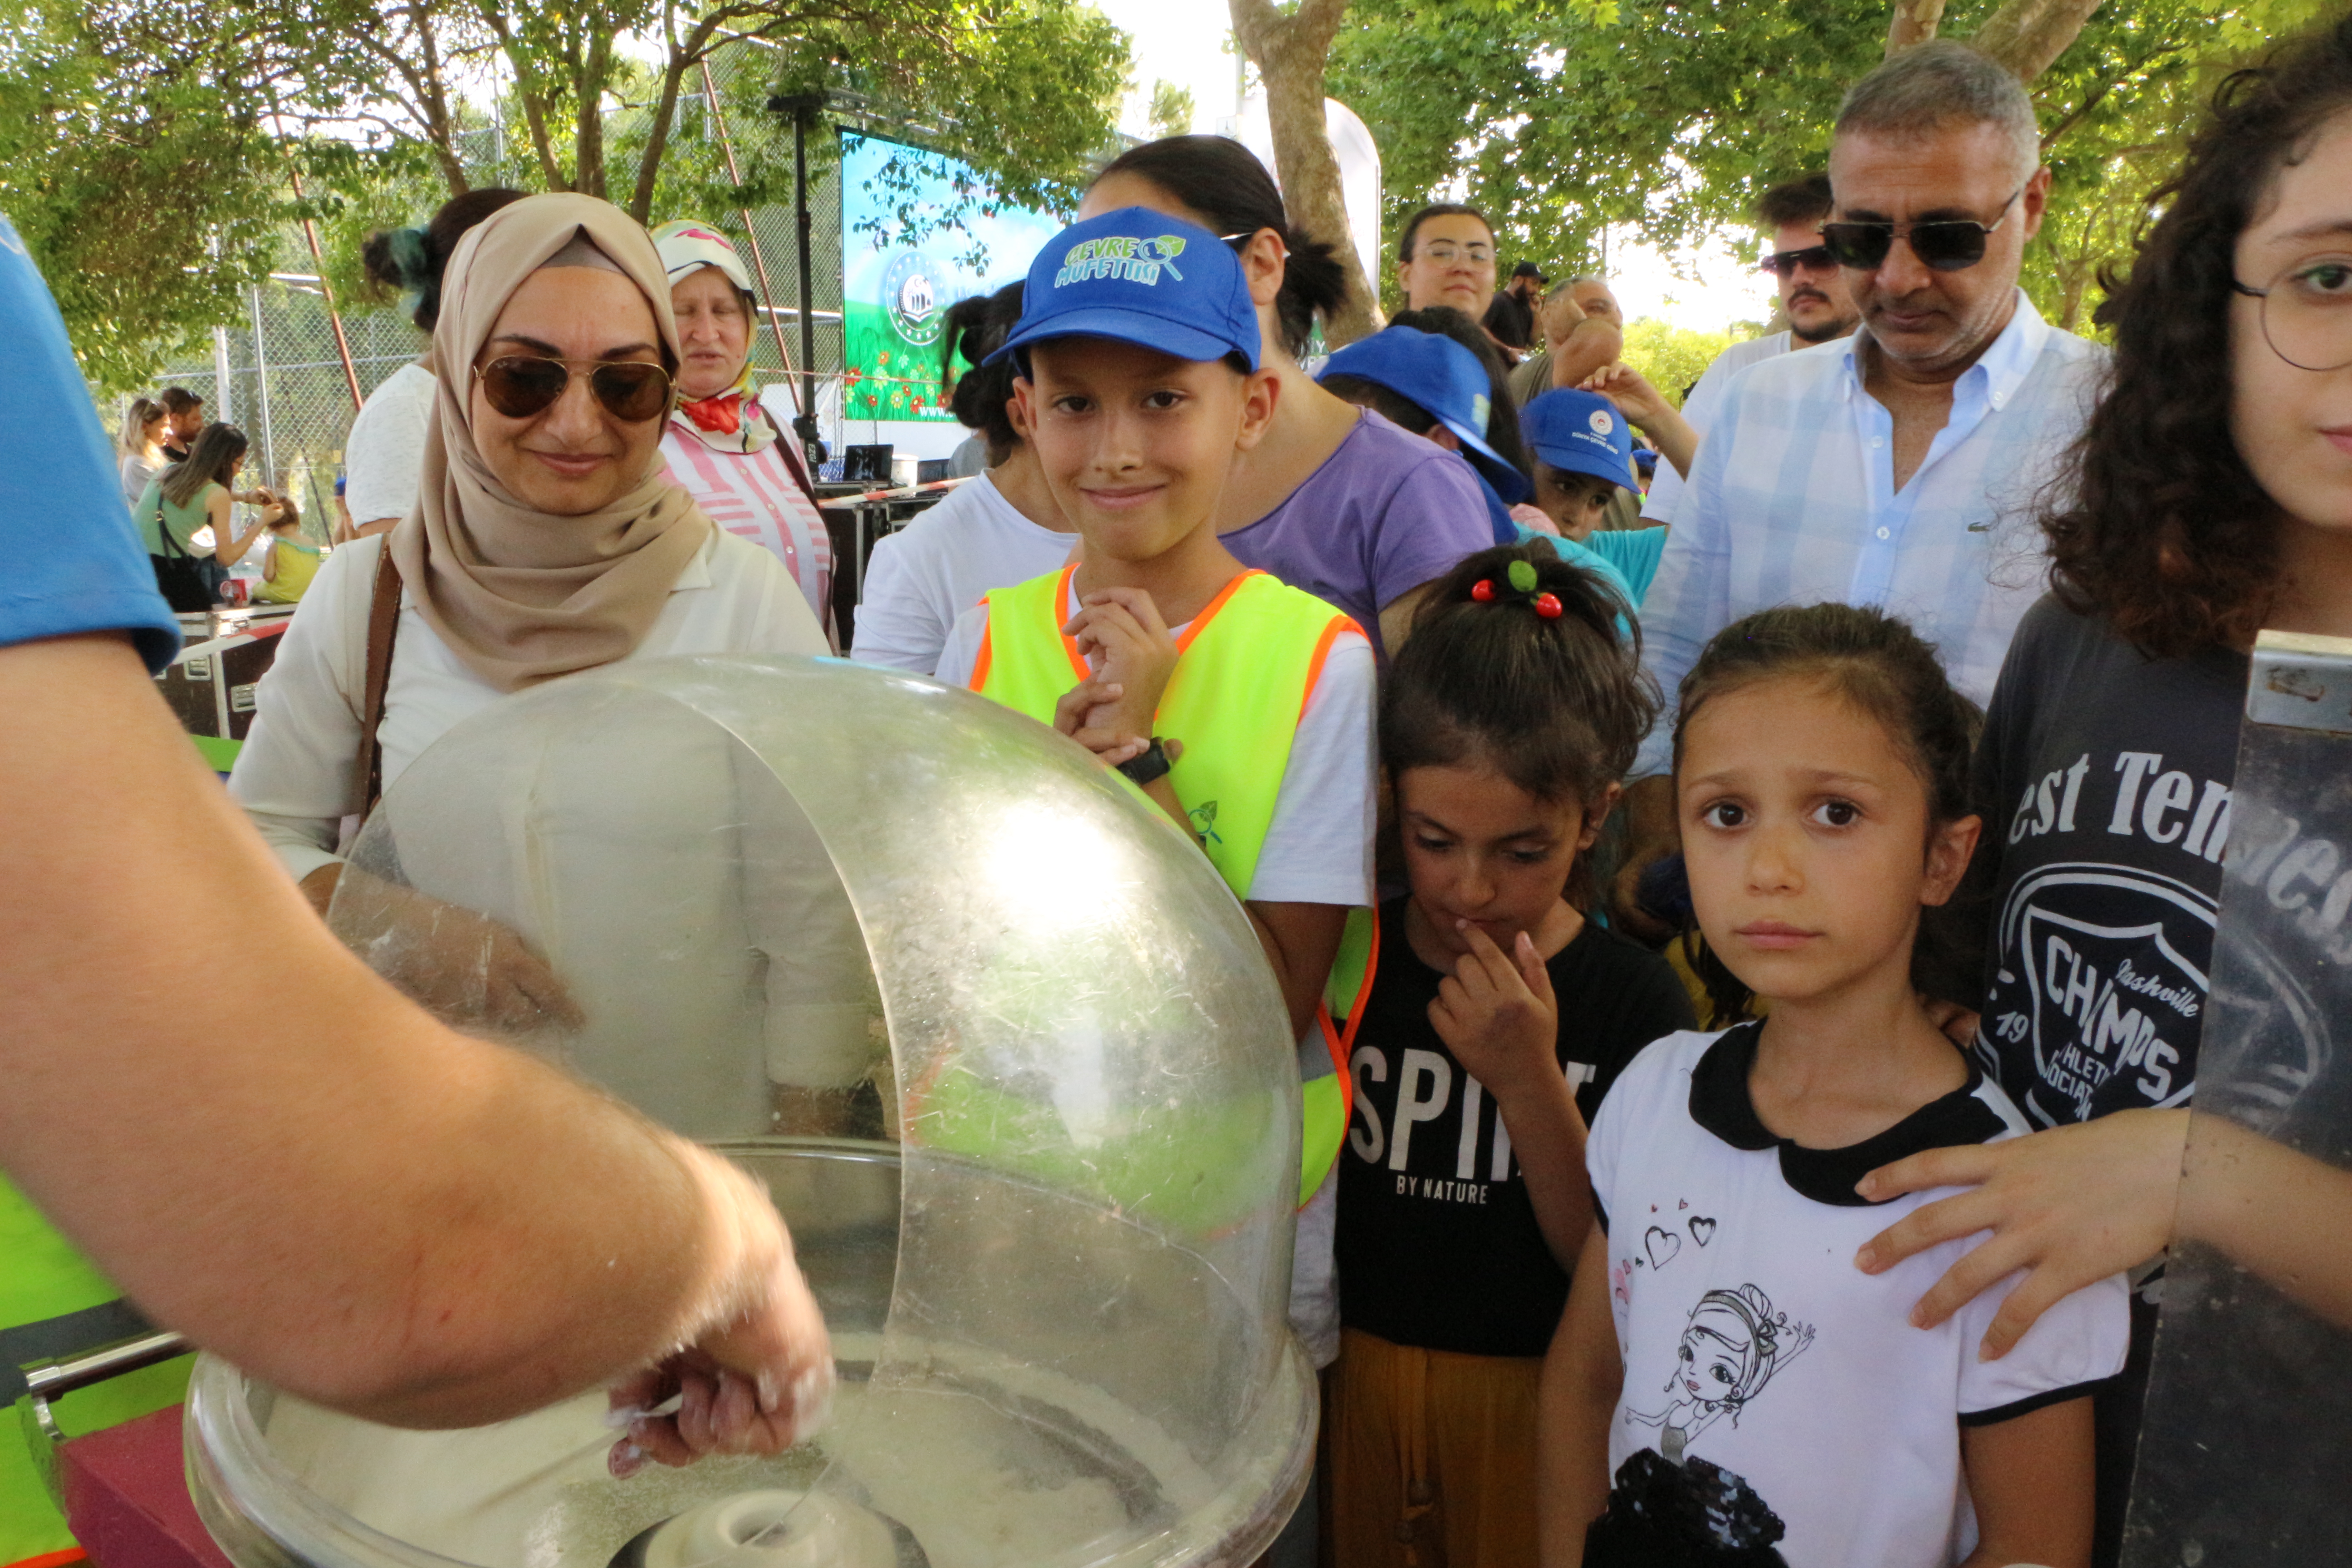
{"points": [[1484, 1016]]}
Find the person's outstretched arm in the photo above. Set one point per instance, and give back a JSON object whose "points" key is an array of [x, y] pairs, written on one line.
{"points": [[228, 551], [1582, 1376], [2071, 1204], [334, 1193]]}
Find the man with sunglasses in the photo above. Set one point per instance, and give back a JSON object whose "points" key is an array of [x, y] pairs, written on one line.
{"points": [[1898, 468], [1812, 297]]}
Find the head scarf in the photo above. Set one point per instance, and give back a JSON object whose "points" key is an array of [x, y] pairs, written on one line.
{"points": [[522, 595], [731, 419]]}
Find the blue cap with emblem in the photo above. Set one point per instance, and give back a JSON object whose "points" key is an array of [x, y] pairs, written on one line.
{"points": [[1583, 432], [1138, 277], [1441, 377]]}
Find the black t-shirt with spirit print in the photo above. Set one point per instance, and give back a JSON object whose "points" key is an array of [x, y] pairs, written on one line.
{"points": [[1438, 1245]]}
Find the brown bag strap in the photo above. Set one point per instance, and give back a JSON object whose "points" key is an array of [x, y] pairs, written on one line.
{"points": [[384, 625]]}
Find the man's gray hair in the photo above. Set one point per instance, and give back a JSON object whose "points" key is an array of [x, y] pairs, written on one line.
{"points": [[1940, 83], [1565, 284]]}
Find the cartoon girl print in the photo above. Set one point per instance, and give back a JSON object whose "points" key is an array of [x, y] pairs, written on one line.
{"points": [[1730, 1348]]}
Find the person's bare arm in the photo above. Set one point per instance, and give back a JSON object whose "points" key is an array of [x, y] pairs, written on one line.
{"points": [[1300, 941], [2030, 1479], [1396, 616], [466, 969], [1648, 411], [1582, 1376], [376, 525], [2077, 1204], [1589, 346], [2071, 1204], [335, 1193], [1497, 1014], [2278, 1213], [1652, 833], [217, 512]]}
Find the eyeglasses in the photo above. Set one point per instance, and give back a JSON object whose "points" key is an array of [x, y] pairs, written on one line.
{"points": [[519, 385], [1782, 263], [1445, 253], [2307, 313], [1944, 245]]}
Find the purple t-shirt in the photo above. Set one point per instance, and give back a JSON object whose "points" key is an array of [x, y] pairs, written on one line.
{"points": [[1385, 513]]}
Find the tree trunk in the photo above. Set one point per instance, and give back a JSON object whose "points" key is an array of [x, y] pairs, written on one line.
{"points": [[440, 126], [641, 200], [1914, 22], [588, 166], [2026, 36], [1292, 52]]}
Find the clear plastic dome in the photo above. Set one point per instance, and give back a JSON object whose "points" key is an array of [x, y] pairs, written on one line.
{"points": [[997, 1037]]}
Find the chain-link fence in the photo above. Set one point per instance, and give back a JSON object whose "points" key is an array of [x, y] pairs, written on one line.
{"points": [[280, 376]]}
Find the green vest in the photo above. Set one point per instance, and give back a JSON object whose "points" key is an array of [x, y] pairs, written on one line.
{"points": [[53, 1303], [1247, 664]]}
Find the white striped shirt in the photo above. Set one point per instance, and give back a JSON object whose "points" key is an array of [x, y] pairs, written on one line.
{"points": [[754, 496], [1792, 501]]}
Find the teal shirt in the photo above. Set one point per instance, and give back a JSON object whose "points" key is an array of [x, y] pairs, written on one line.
{"points": [[1634, 551]]}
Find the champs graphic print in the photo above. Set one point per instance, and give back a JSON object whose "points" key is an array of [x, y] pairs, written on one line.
{"points": [[2103, 975], [1667, 1507]]}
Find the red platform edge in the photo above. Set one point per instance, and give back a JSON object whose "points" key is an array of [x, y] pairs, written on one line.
{"points": [[126, 1496]]}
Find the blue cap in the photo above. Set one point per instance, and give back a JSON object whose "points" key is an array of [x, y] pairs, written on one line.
{"points": [[1583, 432], [1138, 277], [1440, 375]]}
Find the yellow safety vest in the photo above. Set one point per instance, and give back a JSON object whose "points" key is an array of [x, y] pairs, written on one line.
{"points": [[1247, 664]]}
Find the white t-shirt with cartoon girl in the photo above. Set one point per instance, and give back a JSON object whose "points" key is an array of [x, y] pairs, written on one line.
{"points": [[1776, 1397]]}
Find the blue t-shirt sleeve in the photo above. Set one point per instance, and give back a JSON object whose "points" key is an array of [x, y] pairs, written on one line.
{"points": [[75, 564], [1634, 553]]}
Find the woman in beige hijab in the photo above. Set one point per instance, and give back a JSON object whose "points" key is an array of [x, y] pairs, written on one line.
{"points": [[547, 539]]}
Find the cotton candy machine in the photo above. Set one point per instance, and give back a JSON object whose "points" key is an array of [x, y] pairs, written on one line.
{"points": [[993, 1034]]}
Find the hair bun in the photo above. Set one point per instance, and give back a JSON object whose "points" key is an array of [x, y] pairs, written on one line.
{"points": [[412, 256]]}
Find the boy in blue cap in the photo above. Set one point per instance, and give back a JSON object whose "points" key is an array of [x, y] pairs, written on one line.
{"points": [[1242, 707], [1584, 455]]}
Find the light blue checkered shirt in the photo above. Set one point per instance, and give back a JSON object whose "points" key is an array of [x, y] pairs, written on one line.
{"points": [[1792, 501]]}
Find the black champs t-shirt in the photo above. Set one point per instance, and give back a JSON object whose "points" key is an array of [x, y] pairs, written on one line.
{"points": [[2105, 780], [1438, 1245]]}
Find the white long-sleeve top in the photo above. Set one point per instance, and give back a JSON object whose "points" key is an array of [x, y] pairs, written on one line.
{"points": [[294, 775], [760, 975]]}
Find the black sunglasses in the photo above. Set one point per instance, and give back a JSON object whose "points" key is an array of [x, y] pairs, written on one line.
{"points": [[1782, 263], [519, 385], [1944, 245]]}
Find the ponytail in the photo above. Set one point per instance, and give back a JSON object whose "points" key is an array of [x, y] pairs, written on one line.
{"points": [[1220, 185], [976, 328], [410, 261], [1516, 661]]}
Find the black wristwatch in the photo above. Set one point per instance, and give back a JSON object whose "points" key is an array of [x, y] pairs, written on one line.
{"points": [[1153, 764]]}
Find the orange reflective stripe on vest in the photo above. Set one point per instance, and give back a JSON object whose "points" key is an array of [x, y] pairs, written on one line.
{"points": [[1247, 664]]}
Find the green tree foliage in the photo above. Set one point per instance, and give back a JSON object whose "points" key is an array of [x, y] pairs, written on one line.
{"points": [[1171, 109], [182, 121], [1673, 358], [1669, 117], [150, 200]]}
